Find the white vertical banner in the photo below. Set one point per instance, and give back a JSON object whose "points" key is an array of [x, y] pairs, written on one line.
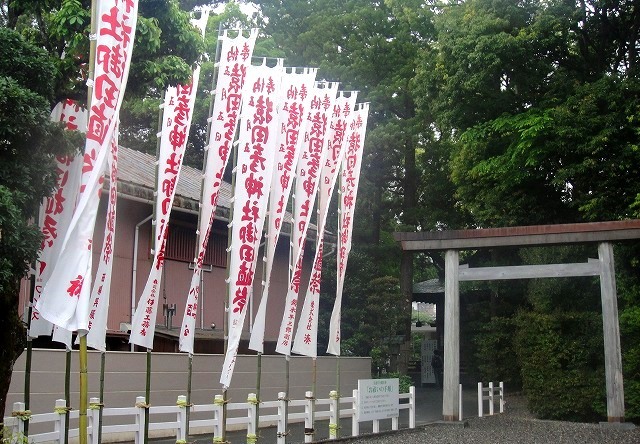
{"points": [[348, 193], [99, 301], [176, 120], [254, 173], [294, 102], [56, 211], [306, 338], [312, 157], [232, 70], [65, 298]]}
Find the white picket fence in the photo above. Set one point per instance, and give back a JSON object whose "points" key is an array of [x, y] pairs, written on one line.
{"points": [[489, 393], [131, 420]]}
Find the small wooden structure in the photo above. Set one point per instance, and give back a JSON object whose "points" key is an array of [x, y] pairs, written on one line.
{"points": [[602, 233]]}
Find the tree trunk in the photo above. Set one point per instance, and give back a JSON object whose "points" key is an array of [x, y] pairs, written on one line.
{"points": [[406, 271], [12, 341]]}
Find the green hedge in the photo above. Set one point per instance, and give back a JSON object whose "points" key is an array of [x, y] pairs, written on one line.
{"points": [[562, 364]]}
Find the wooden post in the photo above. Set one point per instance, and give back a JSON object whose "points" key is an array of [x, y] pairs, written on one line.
{"points": [[252, 416], [412, 407], [181, 419], [309, 423], [140, 419], [218, 418], [451, 337], [334, 414], [611, 329], [282, 418], [460, 402], [491, 398], [95, 410], [355, 425], [21, 416], [59, 426]]}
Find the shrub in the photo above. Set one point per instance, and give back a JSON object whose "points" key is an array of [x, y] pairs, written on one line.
{"points": [[404, 383], [562, 366]]}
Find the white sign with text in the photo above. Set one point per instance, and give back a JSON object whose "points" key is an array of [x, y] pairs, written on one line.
{"points": [[378, 399]]}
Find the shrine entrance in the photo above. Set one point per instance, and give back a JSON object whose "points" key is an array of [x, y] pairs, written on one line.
{"points": [[454, 241]]}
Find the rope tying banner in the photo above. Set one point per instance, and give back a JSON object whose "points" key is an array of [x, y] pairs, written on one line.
{"points": [[183, 404], [22, 415], [220, 402]]}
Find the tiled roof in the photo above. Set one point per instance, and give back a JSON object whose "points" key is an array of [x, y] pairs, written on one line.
{"points": [[432, 286], [137, 169], [136, 178]]}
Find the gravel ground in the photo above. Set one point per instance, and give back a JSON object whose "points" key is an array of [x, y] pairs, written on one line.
{"points": [[516, 425]]}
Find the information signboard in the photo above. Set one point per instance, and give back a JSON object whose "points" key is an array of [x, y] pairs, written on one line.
{"points": [[378, 399], [428, 346]]}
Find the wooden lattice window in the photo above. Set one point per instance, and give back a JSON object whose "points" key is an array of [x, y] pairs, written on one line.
{"points": [[181, 246]]}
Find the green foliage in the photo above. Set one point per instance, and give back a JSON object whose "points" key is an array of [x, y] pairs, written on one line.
{"points": [[12, 438], [372, 324], [26, 175], [404, 381], [630, 336], [494, 352], [560, 355]]}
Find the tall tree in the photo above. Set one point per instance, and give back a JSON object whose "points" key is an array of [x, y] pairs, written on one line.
{"points": [[539, 102], [27, 169], [371, 47]]}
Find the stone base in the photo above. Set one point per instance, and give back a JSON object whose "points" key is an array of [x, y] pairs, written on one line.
{"points": [[460, 424], [617, 425]]}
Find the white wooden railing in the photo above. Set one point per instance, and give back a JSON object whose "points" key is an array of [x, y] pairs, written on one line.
{"points": [[130, 420], [489, 393]]}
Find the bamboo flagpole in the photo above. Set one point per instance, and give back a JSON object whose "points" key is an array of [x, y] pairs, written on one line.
{"points": [[112, 24], [67, 394], [82, 420], [103, 357], [232, 58], [253, 173], [292, 104], [154, 222], [56, 213], [348, 190]]}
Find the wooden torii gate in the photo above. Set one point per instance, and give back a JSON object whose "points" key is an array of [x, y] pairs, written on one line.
{"points": [[602, 233]]}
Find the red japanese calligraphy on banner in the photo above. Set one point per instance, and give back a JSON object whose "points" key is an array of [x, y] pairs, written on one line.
{"points": [[56, 211], [176, 121], [306, 338], [254, 173], [312, 157], [100, 293], [350, 177], [232, 68], [295, 100], [62, 302]]}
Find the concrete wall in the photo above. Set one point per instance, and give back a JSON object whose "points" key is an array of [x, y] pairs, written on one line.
{"points": [[125, 375]]}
